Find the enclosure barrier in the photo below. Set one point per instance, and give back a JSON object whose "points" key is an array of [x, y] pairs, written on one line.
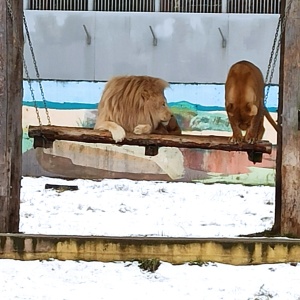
{"points": [[180, 6], [235, 251]]}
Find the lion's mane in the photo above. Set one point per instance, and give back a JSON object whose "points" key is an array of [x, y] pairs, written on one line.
{"points": [[131, 101]]}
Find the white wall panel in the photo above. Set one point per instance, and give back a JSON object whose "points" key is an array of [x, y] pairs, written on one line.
{"points": [[189, 46]]}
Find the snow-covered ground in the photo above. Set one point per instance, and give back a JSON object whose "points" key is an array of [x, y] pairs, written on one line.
{"points": [[131, 208]]}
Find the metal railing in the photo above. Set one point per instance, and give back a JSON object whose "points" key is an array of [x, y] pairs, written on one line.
{"points": [[125, 5], [191, 6], [76, 5], [180, 6], [254, 6]]}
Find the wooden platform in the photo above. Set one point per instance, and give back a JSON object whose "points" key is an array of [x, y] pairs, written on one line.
{"points": [[235, 251], [45, 135]]}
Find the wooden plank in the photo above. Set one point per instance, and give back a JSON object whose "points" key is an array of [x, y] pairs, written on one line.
{"points": [[235, 251], [88, 135], [290, 167], [11, 87]]}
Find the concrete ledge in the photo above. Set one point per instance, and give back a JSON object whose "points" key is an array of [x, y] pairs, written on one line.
{"points": [[235, 251]]}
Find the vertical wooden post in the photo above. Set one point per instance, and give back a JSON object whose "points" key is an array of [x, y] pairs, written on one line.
{"points": [[11, 92], [278, 182], [290, 165]]}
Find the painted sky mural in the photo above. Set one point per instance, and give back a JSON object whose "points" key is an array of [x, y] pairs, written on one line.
{"points": [[80, 93]]}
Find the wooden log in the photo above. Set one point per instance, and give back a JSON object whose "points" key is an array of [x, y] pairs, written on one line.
{"points": [[11, 80], [87, 135], [290, 155]]}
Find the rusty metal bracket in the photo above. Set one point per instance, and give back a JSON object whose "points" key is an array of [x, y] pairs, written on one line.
{"points": [[153, 35], [42, 142], [255, 157], [224, 42], [88, 36], [151, 150]]}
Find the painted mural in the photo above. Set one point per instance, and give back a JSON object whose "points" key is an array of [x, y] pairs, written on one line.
{"points": [[199, 109]]}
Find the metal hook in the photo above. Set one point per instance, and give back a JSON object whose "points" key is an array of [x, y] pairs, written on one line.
{"points": [[223, 39], [154, 37], [88, 36]]}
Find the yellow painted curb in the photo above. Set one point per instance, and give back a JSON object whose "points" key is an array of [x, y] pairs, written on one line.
{"points": [[235, 251]]}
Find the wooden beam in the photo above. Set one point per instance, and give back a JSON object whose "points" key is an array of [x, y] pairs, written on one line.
{"points": [[278, 188], [87, 135], [235, 251], [290, 166], [11, 87]]}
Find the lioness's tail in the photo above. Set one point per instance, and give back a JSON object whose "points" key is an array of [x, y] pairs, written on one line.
{"points": [[271, 120]]}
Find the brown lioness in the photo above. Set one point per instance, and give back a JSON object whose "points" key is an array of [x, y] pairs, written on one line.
{"points": [[244, 102]]}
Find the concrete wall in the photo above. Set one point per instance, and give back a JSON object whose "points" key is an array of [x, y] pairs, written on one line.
{"points": [[189, 46]]}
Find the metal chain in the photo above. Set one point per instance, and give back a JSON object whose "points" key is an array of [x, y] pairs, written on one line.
{"points": [[32, 92], [36, 69], [271, 67], [10, 11]]}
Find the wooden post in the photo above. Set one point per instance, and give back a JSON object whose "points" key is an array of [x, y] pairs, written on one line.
{"points": [[277, 220], [290, 156], [11, 71]]}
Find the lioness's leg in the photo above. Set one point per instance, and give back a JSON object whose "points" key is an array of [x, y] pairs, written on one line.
{"points": [[261, 133], [142, 129], [117, 132], [256, 130], [237, 135]]}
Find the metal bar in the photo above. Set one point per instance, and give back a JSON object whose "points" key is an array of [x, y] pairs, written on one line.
{"points": [[157, 5], [90, 5], [153, 35], [88, 36], [25, 4], [223, 38]]}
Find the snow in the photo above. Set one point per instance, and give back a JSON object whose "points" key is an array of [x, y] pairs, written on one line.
{"points": [[141, 208]]}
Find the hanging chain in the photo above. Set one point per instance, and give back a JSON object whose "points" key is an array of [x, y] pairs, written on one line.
{"points": [[10, 11], [271, 67], [36, 69], [32, 92]]}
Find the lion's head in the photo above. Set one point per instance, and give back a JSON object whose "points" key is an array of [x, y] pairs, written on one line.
{"points": [[131, 101]]}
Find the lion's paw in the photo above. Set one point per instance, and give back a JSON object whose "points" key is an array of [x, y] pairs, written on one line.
{"points": [[118, 135], [250, 140], [234, 140], [142, 129]]}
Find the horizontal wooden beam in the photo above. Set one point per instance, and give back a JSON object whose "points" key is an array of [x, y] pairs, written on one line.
{"points": [[235, 251], [45, 135]]}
